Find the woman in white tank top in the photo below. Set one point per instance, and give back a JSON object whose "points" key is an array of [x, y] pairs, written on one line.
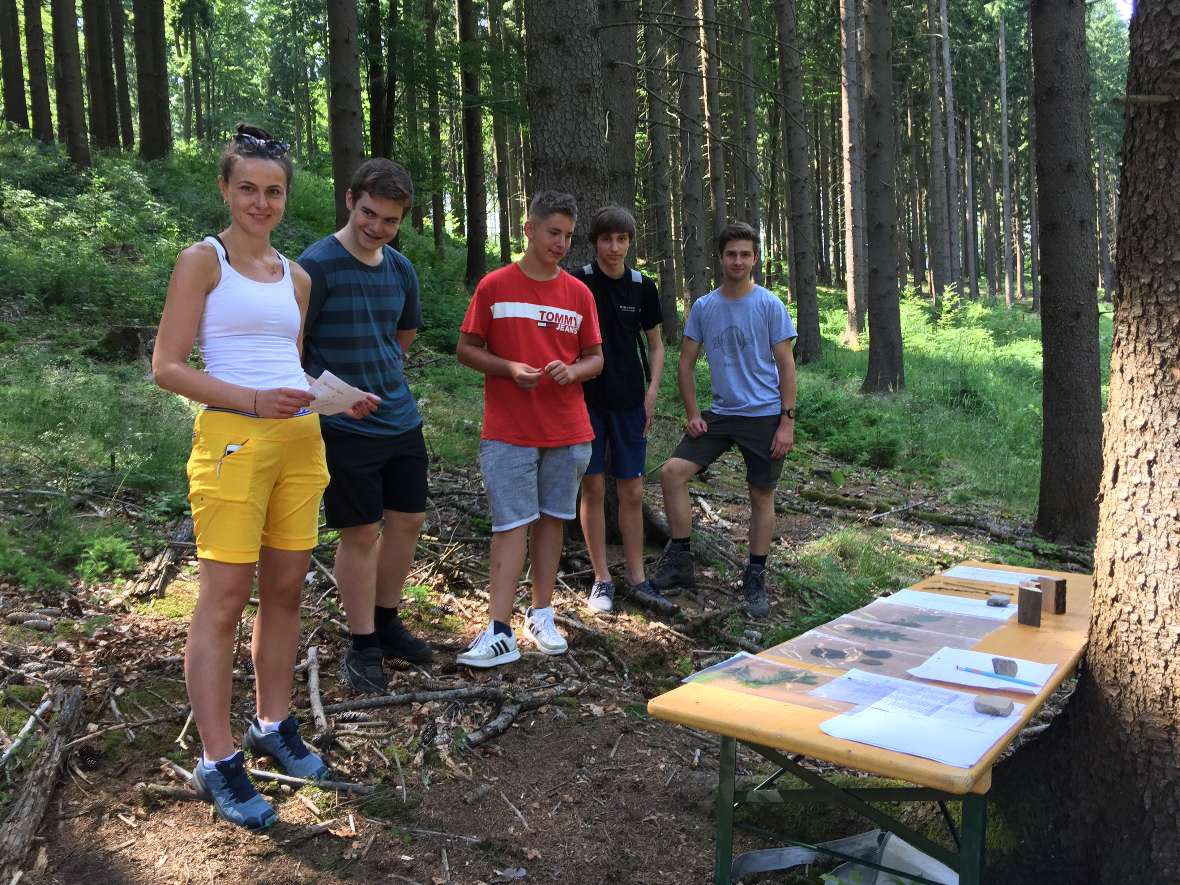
{"points": [[257, 469]]}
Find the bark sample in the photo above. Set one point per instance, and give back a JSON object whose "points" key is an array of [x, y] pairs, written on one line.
{"points": [[856, 270], [885, 371], [474, 177], [1072, 413], [807, 346], [15, 110], [619, 39], [345, 125], [67, 66], [151, 71], [38, 75]]}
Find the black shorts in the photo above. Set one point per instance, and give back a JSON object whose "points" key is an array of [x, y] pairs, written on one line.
{"points": [[372, 474], [753, 435]]}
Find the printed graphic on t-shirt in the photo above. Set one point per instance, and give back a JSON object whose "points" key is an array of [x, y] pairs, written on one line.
{"points": [[730, 343], [545, 316]]}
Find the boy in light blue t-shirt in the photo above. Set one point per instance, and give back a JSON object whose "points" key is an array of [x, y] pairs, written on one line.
{"points": [[747, 336]]}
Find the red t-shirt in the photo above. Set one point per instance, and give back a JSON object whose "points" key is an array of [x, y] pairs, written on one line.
{"points": [[533, 322]]}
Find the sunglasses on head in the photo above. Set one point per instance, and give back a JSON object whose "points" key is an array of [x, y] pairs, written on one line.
{"points": [[267, 147]]}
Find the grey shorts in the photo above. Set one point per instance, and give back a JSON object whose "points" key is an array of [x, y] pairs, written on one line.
{"points": [[752, 435], [523, 482]]}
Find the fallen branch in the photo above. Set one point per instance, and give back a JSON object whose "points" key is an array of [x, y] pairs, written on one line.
{"points": [[469, 693], [313, 691], [179, 794], [338, 786], [26, 730], [99, 732], [24, 818], [508, 713]]}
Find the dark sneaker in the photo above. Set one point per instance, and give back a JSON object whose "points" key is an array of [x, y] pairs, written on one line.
{"points": [[285, 747], [398, 642], [754, 591], [602, 597], [228, 787], [648, 597], [673, 571], [361, 671]]}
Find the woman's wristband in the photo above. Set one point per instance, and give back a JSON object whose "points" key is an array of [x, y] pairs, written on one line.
{"points": [[256, 401]]}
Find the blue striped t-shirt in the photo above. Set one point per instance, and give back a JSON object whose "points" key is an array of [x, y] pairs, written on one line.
{"points": [[352, 323]]}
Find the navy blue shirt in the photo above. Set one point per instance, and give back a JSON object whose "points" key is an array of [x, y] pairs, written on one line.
{"points": [[355, 313]]}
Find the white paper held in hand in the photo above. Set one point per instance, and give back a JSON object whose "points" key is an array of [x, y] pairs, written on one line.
{"points": [[333, 396]]}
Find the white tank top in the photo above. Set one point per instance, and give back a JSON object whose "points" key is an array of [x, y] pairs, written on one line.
{"points": [[249, 329]]}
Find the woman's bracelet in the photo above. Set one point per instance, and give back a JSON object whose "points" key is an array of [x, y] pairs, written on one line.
{"points": [[255, 401]]}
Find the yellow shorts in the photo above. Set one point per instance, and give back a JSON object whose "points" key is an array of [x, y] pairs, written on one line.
{"points": [[255, 482]]}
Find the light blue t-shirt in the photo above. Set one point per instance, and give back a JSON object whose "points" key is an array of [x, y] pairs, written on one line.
{"points": [[737, 335]]}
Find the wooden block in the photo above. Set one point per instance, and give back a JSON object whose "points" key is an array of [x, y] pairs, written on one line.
{"points": [[993, 706], [1028, 611], [1052, 595], [1004, 666], [999, 600]]}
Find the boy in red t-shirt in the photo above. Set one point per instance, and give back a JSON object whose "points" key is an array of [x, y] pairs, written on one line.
{"points": [[532, 329]]}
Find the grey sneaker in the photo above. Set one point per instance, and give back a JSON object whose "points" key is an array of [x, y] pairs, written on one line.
{"points": [[285, 747], [754, 591], [673, 571], [647, 596], [229, 788], [602, 597]]}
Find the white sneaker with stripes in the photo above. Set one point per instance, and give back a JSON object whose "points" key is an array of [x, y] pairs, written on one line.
{"points": [[540, 630], [490, 649]]}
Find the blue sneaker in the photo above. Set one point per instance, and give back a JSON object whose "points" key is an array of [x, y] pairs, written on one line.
{"points": [[285, 747], [229, 789]]}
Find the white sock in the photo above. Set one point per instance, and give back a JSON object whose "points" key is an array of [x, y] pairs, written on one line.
{"points": [[265, 726], [211, 765], [546, 612]]}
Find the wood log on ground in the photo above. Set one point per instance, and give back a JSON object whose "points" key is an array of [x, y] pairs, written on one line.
{"points": [[154, 578], [24, 818]]}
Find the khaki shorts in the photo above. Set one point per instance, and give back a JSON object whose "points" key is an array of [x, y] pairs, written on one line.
{"points": [[255, 482]]}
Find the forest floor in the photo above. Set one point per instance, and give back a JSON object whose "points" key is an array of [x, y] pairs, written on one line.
{"points": [[583, 788]]}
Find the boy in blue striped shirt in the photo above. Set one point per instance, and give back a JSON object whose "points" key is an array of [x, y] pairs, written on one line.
{"points": [[364, 312]]}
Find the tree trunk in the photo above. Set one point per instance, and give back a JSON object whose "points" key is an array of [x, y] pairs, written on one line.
{"points": [[345, 124], [972, 218], [500, 136], [709, 26], [1034, 228], [203, 128], [619, 38], [1006, 240], [100, 81], [122, 90], [807, 347], [67, 64], [693, 228], [938, 216], [38, 76], [375, 64], [918, 176], [474, 178], [151, 73], [655, 78], [748, 173], [393, 46], [1106, 765], [885, 370], [15, 110], [1104, 228], [953, 190], [438, 213], [1072, 437]]}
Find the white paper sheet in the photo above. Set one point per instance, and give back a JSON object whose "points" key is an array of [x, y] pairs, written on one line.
{"points": [[924, 721], [860, 688], [960, 605], [971, 573], [943, 664], [332, 395]]}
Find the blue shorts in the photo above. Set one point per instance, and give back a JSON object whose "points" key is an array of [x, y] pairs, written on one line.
{"points": [[523, 482], [622, 431]]}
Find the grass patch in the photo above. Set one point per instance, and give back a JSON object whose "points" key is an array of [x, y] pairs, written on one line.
{"points": [[178, 603]]}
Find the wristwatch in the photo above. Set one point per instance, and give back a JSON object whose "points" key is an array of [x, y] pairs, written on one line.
{"points": [[789, 413]]}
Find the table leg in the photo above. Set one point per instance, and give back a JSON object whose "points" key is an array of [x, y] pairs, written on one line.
{"points": [[974, 833], [723, 861]]}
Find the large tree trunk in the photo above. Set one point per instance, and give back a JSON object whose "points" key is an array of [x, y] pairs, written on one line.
{"points": [[655, 78], [856, 270], [375, 63], [693, 227], [1106, 768], [15, 110], [1072, 437], [938, 216], [122, 89], [619, 39], [953, 190], [151, 71], [38, 76], [345, 125], [474, 177], [100, 78], [500, 136], [807, 347], [1006, 241], [885, 371], [67, 65]]}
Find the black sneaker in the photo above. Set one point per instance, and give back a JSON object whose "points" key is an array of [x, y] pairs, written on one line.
{"points": [[754, 591], [398, 642], [673, 571], [647, 596], [361, 671]]}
